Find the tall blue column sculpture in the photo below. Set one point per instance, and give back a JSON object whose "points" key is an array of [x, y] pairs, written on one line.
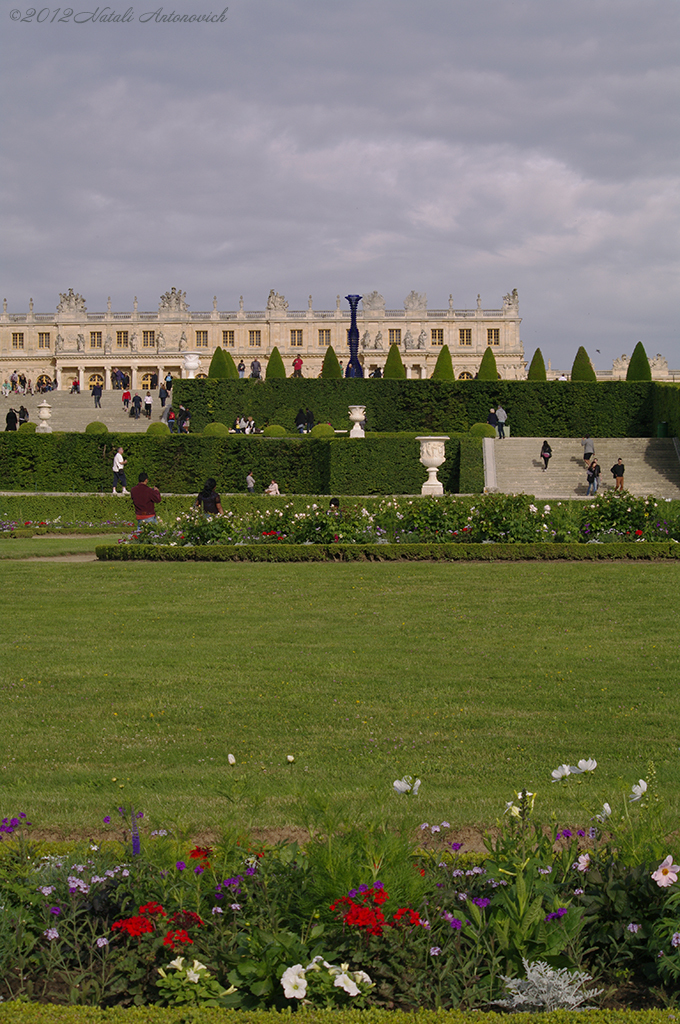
{"points": [[354, 367]]}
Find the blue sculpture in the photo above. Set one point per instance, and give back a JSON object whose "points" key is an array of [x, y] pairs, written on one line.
{"points": [[354, 367]]}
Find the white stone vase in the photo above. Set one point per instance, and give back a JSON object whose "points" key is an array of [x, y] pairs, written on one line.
{"points": [[357, 414], [432, 455], [44, 414], [192, 361]]}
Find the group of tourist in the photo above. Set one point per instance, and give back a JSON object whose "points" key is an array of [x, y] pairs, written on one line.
{"points": [[14, 419], [497, 418], [304, 421], [591, 465], [17, 384], [245, 425]]}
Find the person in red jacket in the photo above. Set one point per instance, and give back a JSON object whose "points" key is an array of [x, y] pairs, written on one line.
{"points": [[145, 499]]}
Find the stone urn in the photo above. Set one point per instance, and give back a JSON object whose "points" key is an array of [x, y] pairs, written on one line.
{"points": [[432, 455], [357, 415], [44, 414], [192, 361]]}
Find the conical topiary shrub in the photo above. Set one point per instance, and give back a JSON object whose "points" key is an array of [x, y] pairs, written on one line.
{"points": [[275, 368], [232, 372], [443, 368], [537, 367], [582, 370], [487, 368], [394, 368], [638, 367], [331, 369], [218, 365]]}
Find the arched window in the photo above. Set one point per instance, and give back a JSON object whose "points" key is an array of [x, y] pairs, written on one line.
{"points": [[95, 378], [146, 382], [465, 375], [201, 376]]}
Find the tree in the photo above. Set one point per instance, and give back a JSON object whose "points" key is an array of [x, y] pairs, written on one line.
{"points": [[331, 369], [219, 368], [275, 368], [537, 367], [487, 368], [394, 368], [582, 370], [232, 372], [638, 367], [443, 369]]}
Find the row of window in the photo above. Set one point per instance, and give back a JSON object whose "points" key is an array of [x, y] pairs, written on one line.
{"points": [[255, 338]]}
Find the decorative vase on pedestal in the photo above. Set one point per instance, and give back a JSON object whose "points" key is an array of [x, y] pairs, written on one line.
{"points": [[44, 414], [192, 361], [432, 455], [357, 415]]}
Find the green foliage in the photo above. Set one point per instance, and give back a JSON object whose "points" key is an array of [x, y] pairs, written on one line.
{"points": [[216, 430], [331, 369], [275, 369], [394, 367], [443, 369], [28, 427], [536, 408], [322, 430], [537, 367], [96, 428], [482, 430], [487, 368], [638, 367], [274, 430], [158, 429], [219, 368], [232, 372], [582, 370]]}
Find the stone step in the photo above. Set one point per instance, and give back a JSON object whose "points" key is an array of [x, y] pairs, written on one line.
{"points": [[74, 412]]}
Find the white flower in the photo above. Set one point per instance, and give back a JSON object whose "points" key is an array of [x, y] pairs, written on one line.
{"points": [[346, 983], [362, 977], [561, 772], [584, 765], [416, 787], [231, 759], [604, 813], [177, 963], [198, 966], [639, 790], [290, 759], [546, 508], [193, 976], [401, 786], [583, 863], [294, 982]]}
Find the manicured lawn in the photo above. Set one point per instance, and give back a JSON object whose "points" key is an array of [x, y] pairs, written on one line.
{"points": [[131, 683], [51, 546]]}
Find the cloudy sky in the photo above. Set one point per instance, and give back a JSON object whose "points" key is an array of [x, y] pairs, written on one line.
{"points": [[324, 147]]}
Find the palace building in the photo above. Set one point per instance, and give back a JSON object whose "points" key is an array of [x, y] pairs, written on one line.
{"points": [[74, 344]]}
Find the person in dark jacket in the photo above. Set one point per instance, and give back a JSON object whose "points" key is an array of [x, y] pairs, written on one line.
{"points": [[145, 499], [208, 499], [492, 420], [546, 454], [137, 405], [301, 421], [618, 469], [11, 420], [593, 477], [309, 417]]}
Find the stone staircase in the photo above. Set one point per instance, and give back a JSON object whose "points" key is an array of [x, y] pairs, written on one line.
{"points": [[74, 412], [652, 466]]}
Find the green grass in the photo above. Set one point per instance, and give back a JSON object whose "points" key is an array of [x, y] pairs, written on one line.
{"points": [[50, 546], [131, 683]]}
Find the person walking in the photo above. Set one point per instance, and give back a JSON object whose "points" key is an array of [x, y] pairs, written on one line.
{"points": [[97, 395], [137, 405], [546, 454], [588, 446], [168, 381], [618, 469], [501, 416], [163, 395], [148, 405], [172, 420], [593, 477], [23, 415], [126, 399], [208, 499], [145, 499], [250, 482], [119, 464]]}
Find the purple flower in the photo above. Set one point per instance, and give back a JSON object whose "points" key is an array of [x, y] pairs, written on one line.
{"points": [[456, 847], [445, 824], [107, 819], [140, 814], [251, 870], [634, 928], [55, 910], [581, 833], [180, 865], [481, 901], [435, 950], [378, 885], [198, 870], [556, 914], [217, 910], [235, 906], [102, 941], [566, 833], [363, 888], [352, 894], [675, 941], [51, 934], [424, 826], [452, 921]]}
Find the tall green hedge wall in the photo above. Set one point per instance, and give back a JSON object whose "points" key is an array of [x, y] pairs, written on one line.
{"points": [[545, 408], [666, 406], [180, 465]]}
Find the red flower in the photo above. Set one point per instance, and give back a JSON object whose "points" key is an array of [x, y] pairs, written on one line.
{"points": [[152, 908], [178, 937], [411, 916], [638, 533], [134, 926], [186, 919]]}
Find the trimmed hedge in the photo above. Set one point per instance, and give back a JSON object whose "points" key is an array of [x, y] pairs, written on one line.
{"points": [[535, 408], [666, 407], [181, 464], [388, 552]]}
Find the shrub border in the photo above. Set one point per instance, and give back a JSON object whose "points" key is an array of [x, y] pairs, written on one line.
{"points": [[574, 552]]}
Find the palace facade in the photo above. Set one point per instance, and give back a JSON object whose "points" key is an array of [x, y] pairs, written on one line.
{"points": [[74, 344]]}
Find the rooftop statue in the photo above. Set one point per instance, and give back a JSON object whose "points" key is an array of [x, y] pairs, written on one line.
{"points": [[71, 302], [277, 303], [173, 301]]}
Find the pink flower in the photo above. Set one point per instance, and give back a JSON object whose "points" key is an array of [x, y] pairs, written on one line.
{"points": [[666, 873], [583, 863]]}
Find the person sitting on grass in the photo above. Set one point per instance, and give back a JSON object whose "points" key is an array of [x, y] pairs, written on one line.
{"points": [[273, 489]]}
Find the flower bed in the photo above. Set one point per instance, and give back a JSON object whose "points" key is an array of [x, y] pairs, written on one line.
{"points": [[356, 916]]}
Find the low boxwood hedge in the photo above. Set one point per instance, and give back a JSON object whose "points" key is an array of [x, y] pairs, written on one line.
{"points": [[388, 552]]}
